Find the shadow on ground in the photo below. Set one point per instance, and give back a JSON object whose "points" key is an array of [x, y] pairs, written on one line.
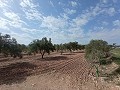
{"points": [[69, 54], [54, 58], [4, 59], [79, 52], [15, 73]]}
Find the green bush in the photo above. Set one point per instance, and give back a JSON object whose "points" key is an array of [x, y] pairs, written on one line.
{"points": [[103, 62], [97, 49]]}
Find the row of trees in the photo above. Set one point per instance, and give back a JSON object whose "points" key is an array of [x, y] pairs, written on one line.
{"points": [[71, 46], [10, 47], [95, 50], [45, 46]]}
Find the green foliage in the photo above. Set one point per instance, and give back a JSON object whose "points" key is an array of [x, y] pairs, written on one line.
{"points": [[23, 47], [41, 46], [97, 71], [71, 46], [57, 47], [116, 52], [9, 46], [61, 48], [116, 55], [97, 49]]}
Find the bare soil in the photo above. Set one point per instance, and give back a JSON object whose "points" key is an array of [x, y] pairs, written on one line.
{"points": [[69, 71]]}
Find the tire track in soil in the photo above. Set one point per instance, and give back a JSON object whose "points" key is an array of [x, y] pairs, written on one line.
{"points": [[76, 66], [55, 66]]}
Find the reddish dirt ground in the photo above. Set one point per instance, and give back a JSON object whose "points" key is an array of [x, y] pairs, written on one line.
{"points": [[54, 72]]}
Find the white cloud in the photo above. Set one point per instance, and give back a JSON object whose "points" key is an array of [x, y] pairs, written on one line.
{"points": [[96, 29], [105, 23], [111, 11], [53, 23], [73, 3], [59, 3], [79, 21], [28, 30], [105, 34], [3, 24], [104, 1], [30, 10], [51, 3], [3, 3], [12, 15], [9, 19], [15, 20], [24, 38], [76, 32], [116, 23], [33, 15], [96, 10], [70, 12], [86, 16], [27, 3], [65, 16], [76, 25]]}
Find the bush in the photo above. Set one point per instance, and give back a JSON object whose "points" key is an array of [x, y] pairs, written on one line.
{"points": [[97, 49], [103, 62]]}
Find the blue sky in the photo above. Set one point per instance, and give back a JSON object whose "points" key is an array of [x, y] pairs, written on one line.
{"points": [[61, 20]]}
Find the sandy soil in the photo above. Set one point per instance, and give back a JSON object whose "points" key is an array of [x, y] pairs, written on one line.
{"points": [[54, 72]]}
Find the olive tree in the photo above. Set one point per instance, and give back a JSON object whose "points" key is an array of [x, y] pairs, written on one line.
{"points": [[97, 49], [42, 46], [57, 47], [9, 46], [61, 48]]}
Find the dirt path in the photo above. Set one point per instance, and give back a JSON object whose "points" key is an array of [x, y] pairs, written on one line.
{"points": [[55, 72]]}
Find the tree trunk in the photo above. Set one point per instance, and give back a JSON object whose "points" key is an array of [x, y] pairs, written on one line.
{"points": [[42, 53], [61, 53], [34, 53], [42, 56]]}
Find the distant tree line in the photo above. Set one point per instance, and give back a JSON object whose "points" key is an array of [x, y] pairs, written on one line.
{"points": [[71, 46]]}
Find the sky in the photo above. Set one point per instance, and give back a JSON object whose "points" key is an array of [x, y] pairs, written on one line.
{"points": [[61, 20]]}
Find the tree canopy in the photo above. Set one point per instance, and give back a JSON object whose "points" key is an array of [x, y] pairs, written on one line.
{"points": [[9, 46], [97, 49], [41, 46]]}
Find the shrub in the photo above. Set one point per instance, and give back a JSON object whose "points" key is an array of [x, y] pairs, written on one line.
{"points": [[96, 50]]}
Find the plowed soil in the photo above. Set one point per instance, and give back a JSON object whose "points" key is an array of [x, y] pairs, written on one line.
{"points": [[69, 71]]}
